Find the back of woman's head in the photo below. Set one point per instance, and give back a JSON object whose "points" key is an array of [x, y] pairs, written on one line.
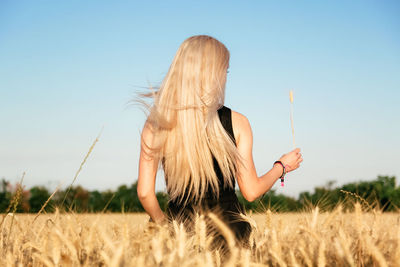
{"points": [[185, 123], [198, 72]]}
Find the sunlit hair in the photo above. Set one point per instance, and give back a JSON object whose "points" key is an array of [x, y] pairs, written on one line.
{"points": [[185, 123]]}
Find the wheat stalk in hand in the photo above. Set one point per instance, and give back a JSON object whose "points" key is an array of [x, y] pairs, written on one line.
{"points": [[291, 116]]}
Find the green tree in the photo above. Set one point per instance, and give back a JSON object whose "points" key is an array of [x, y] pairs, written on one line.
{"points": [[96, 201], [38, 196], [5, 195], [162, 198]]}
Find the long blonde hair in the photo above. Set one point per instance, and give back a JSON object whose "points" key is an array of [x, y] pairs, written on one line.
{"points": [[185, 124]]}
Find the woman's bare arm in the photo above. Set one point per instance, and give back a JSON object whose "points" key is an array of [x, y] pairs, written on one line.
{"points": [[147, 177], [249, 183]]}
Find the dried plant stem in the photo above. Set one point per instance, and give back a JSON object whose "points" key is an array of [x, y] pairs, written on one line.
{"points": [[7, 210], [118, 240], [45, 204], [80, 167], [291, 117], [15, 201], [229, 237], [108, 203], [357, 196]]}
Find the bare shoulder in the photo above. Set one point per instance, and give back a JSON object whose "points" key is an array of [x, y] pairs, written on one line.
{"points": [[239, 118], [240, 124], [147, 132]]}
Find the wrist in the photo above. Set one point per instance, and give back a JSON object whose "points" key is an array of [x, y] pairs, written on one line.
{"points": [[282, 167], [278, 167], [282, 177]]}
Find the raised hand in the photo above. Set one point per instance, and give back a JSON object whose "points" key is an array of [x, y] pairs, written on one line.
{"points": [[292, 160]]}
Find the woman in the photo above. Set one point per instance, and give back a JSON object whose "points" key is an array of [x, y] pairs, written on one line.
{"points": [[203, 146]]}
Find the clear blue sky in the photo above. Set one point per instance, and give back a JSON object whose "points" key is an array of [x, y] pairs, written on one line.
{"points": [[69, 67]]}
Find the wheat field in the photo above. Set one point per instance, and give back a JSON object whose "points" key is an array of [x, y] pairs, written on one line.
{"points": [[337, 238]]}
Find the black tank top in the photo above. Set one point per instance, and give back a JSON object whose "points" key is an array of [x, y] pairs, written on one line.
{"points": [[227, 203], [226, 192]]}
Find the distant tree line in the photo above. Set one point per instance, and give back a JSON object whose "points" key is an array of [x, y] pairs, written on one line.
{"points": [[381, 193]]}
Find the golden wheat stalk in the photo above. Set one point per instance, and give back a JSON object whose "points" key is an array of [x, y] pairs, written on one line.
{"points": [[12, 202], [80, 167], [116, 240], [229, 237], [358, 197], [15, 200], [45, 204], [291, 116]]}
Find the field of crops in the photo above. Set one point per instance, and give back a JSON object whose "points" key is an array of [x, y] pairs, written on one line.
{"points": [[300, 239]]}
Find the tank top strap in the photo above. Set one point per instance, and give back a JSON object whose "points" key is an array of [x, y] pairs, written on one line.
{"points": [[225, 116]]}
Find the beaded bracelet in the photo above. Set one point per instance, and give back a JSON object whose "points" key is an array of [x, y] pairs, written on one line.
{"points": [[284, 171]]}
